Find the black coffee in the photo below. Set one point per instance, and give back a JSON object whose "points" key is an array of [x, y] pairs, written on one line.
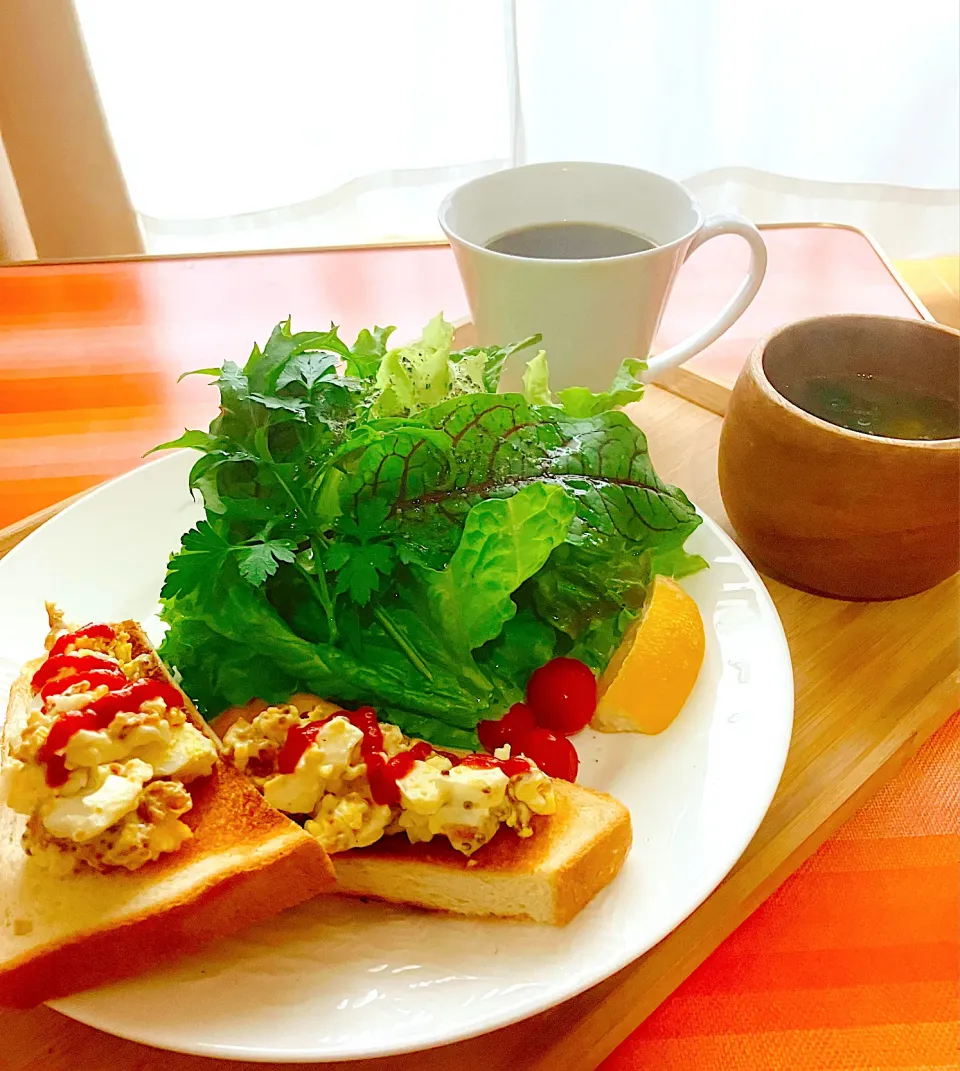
{"points": [[569, 241]]}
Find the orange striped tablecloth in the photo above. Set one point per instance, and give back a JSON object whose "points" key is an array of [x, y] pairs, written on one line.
{"points": [[851, 965]]}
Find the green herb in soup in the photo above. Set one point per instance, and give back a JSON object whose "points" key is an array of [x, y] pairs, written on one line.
{"points": [[876, 405]]}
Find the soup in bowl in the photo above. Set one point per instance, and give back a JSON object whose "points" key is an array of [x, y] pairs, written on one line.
{"points": [[839, 459]]}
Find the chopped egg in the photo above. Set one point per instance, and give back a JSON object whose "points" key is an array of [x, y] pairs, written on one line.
{"points": [[339, 743], [458, 804], [50, 854], [188, 755], [105, 795], [351, 821], [71, 700], [23, 786], [422, 790], [140, 836], [88, 813], [95, 747], [326, 762], [184, 752], [249, 741], [299, 792], [393, 739], [534, 789]]}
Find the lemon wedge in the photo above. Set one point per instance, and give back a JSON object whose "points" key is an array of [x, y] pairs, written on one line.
{"points": [[654, 669]]}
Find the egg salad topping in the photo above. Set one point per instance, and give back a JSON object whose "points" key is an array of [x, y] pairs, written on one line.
{"points": [[100, 768], [351, 780], [145, 832], [468, 804]]}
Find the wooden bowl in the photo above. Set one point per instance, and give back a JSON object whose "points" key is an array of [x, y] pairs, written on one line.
{"points": [[840, 512]]}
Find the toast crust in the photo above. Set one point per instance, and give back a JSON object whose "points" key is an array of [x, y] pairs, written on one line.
{"points": [[251, 862], [223, 907]]}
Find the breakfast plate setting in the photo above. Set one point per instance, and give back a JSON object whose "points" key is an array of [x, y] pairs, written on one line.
{"points": [[407, 697], [695, 766]]}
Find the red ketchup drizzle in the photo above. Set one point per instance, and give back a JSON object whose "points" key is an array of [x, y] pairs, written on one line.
{"points": [[300, 737], [98, 715], [88, 632], [130, 698], [383, 773], [55, 663], [511, 767], [93, 677], [59, 736], [365, 719]]}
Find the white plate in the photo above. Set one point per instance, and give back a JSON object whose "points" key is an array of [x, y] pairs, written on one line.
{"points": [[336, 980]]}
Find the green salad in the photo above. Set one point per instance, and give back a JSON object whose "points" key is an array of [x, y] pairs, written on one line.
{"points": [[382, 527]]}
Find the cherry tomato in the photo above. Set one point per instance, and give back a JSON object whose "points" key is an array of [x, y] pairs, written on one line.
{"points": [[563, 695], [511, 729], [554, 754]]}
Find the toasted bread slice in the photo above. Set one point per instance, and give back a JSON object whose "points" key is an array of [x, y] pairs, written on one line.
{"points": [[244, 862], [547, 877]]}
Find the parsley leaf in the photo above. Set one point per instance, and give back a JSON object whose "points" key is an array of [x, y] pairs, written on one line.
{"points": [[358, 561], [194, 440], [359, 567], [262, 560], [195, 566], [292, 405], [232, 381], [199, 372], [308, 369]]}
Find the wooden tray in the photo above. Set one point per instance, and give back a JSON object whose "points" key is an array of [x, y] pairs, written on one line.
{"points": [[814, 269], [874, 680]]}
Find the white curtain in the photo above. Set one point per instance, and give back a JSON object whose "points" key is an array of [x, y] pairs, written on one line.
{"points": [[243, 125]]}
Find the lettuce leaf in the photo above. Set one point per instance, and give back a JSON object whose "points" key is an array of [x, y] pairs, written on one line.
{"points": [[495, 357], [626, 388], [426, 372], [536, 381], [504, 542], [525, 643]]}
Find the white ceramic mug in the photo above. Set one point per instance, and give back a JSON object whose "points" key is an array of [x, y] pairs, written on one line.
{"points": [[592, 313]]}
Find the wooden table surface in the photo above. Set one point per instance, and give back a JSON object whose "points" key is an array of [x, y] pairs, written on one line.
{"points": [[88, 359]]}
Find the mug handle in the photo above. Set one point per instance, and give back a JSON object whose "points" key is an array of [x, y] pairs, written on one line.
{"points": [[734, 309]]}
